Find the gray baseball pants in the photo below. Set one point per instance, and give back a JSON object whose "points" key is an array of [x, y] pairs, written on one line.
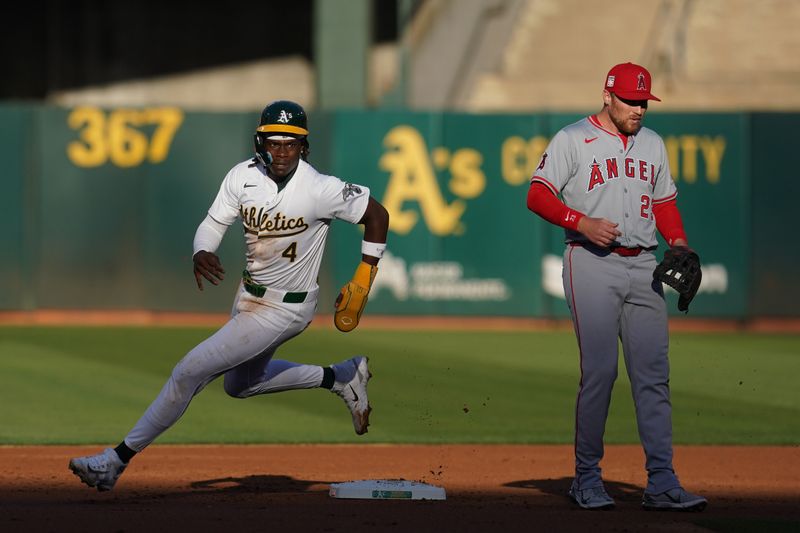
{"points": [[614, 298]]}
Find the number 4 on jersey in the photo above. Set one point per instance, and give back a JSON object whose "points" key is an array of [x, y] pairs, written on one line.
{"points": [[290, 252]]}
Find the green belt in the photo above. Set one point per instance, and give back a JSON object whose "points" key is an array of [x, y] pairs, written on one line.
{"points": [[259, 290]]}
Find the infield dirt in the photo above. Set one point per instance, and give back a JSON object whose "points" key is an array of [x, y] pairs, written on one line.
{"points": [[489, 488]]}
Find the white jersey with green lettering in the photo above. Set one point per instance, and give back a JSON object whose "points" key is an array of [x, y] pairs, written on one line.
{"points": [[603, 175], [285, 228]]}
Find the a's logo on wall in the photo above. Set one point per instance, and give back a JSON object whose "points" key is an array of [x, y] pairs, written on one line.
{"points": [[284, 117], [413, 168]]}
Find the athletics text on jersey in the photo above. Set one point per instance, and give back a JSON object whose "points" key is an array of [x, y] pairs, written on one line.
{"points": [[285, 229]]}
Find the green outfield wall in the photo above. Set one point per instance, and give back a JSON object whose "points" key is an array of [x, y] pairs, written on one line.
{"points": [[99, 208], [775, 289]]}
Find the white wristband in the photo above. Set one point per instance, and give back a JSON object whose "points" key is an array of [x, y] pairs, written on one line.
{"points": [[374, 249]]}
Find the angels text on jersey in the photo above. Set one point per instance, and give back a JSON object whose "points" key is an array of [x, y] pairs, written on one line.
{"points": [[609, 169]]}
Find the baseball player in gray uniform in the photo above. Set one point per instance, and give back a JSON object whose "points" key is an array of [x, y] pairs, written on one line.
{"points": [[606, 180], [286, 208]]}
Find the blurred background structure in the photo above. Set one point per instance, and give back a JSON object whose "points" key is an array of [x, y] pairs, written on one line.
{"points": [[465, 55], [118, 121]]}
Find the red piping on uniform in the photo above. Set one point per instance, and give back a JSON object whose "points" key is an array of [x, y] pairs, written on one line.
{"points": [[596, 123], [666, 199], [539, 179], [580, 351]]}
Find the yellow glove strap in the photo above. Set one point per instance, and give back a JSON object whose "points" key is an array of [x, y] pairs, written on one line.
{"points": [[365, 274]]}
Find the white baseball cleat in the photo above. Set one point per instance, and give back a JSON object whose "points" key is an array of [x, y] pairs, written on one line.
{"points": [[101, 470], [352, 388]]}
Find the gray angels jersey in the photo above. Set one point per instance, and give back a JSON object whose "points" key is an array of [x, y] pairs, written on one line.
{"points": [[285, 229], [596, 173]]}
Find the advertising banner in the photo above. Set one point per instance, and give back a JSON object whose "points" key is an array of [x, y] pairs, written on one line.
{"points": [[462, 240], [100, 208]]}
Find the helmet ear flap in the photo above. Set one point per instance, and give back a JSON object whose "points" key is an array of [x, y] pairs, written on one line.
{"points": [[262, 155]]}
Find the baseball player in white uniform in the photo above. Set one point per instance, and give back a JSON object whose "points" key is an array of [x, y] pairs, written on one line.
{"points": [[614, 179], [286, 208]]}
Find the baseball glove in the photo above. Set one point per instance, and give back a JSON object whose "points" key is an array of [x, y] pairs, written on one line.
{"points": [[680, 269]]}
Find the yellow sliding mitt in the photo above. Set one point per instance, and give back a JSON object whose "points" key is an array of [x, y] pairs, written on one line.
{"points": [[353, 298]]}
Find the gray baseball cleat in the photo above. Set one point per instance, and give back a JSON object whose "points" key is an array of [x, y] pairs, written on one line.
{"points": [[593, 498], [101, 470], [676, 499], [352, 388]]}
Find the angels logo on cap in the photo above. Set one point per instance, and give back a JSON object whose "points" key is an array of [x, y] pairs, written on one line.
{"points": [[630, 81]]}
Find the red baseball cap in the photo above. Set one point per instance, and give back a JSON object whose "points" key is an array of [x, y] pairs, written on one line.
{"points": [[630, 81]]}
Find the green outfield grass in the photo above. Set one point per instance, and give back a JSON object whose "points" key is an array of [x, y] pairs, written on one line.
{"points": [[77, 385]]}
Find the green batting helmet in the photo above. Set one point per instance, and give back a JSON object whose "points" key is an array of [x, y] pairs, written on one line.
{"points": [[283, 116]]}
